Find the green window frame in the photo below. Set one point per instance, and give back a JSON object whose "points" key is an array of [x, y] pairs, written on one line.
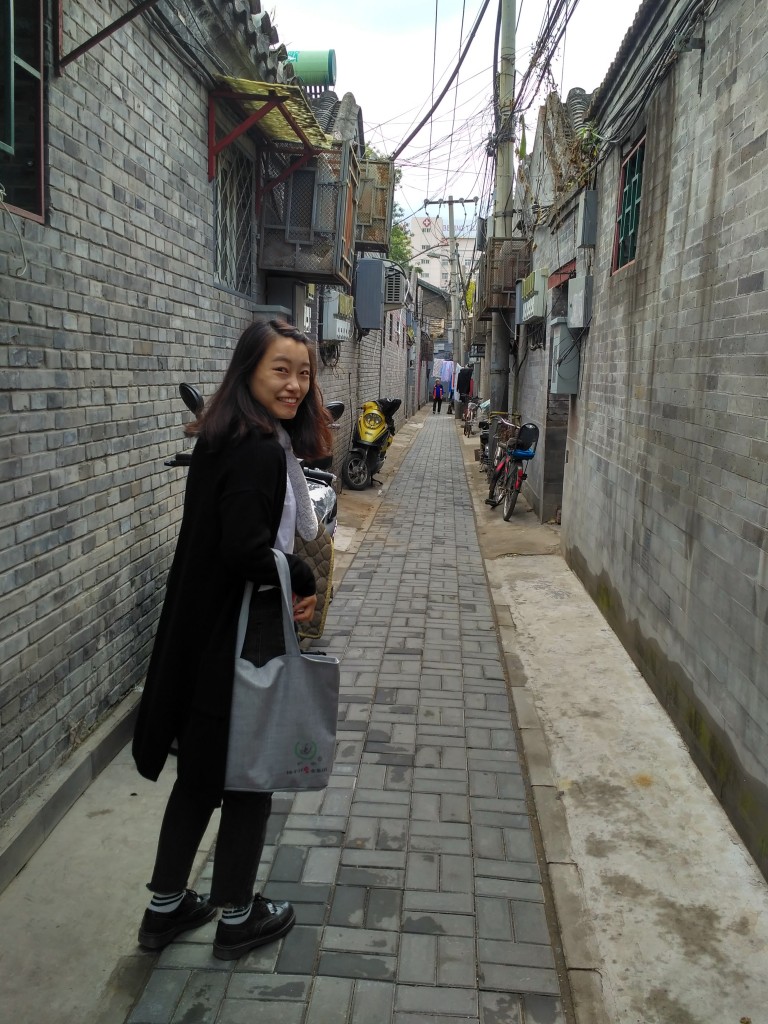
{"points": [[21, 105], [628, 214]]}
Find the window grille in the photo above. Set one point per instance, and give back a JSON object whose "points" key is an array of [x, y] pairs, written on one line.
{"points": [[234, 219], [628, 217], [21, 104]]}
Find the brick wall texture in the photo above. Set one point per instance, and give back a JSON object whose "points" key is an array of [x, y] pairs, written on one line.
{"points": [[119, 303], [665, 510]]}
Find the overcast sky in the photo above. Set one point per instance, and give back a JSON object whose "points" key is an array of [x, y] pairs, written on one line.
{"points": [[385, 54]]}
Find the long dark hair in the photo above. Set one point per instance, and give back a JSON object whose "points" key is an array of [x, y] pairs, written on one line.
{"points": [[233, 412]]}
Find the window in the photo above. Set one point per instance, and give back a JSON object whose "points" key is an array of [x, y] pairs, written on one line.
{"points": [[235, 219], [21, 105], [628, 215]]}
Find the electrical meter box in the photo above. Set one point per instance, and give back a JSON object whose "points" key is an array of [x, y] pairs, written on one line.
{"points": [[565, 359], [579, 301]]}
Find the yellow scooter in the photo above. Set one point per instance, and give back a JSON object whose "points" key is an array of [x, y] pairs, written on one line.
{"points": [[373, 435]]}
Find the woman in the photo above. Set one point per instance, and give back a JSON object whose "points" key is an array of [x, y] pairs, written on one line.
{"points": [[245, 495]]}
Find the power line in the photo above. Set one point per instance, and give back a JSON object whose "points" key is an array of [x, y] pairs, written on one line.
{"points": [[448, 84]]}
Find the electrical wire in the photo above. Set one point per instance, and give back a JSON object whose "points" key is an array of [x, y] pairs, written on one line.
{"points": [[448, 84], [434, 66], [455, 95]]}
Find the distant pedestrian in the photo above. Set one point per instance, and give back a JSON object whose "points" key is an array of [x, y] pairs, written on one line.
{"points": [[437, 397], [245, 495]]}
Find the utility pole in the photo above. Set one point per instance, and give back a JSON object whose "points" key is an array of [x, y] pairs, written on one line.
{"points": [[503, 202], [457, 341], [455, 334]]}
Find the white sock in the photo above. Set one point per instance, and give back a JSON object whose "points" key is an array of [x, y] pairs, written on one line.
{"points": [[236, 915], [165, 902]]}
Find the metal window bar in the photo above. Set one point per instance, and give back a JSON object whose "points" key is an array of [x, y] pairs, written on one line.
{"points": [[235, 220], [629, 215]]}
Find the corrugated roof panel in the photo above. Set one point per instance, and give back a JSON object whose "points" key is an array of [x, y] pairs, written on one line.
{"points": [[254, 95]]}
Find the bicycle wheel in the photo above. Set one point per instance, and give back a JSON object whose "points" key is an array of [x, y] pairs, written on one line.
{"points": [[512, 480], [496, 488], [467, 427]]}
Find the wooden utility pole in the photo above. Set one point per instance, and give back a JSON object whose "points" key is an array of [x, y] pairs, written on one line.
{"points": [[501, 339]]}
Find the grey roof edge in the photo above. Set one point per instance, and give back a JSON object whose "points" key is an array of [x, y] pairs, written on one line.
{"points": [[432, 288], [642, 21]]}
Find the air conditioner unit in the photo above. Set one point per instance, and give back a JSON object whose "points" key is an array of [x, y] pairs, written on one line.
{"points": [[395, 287]]}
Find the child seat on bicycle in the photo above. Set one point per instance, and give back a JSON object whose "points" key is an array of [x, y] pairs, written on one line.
{"points": [[526, 441]]}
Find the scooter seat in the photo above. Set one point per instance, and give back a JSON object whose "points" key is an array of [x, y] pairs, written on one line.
{"points": [[526, 453]]}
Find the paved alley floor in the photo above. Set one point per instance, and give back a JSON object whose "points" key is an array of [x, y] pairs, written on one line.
{"points": [[415, 876]]}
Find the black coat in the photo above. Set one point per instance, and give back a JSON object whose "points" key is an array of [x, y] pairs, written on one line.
{"points": [[232, 510]]}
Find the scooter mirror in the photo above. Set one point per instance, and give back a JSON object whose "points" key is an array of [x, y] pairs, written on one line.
{"points": [[336, 410], [192, 398]]}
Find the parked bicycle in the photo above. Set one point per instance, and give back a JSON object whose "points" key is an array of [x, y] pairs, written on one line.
{"points": [[469, 416], [510, 468]]}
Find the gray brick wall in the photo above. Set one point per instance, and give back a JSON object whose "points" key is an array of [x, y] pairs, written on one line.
{"points": [[118, 305], [665, 510]]}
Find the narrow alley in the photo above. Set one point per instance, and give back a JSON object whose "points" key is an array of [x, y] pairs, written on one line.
{"points": [[414, 875]]}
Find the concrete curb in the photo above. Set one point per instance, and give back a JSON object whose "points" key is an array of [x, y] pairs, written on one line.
{"points": [[38, 817], [578, 942]]}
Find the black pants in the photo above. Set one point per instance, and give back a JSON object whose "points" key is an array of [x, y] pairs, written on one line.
{"points": [[436, 404], [244, 816]]}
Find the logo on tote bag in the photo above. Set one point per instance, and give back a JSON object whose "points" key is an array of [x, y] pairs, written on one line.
{"points": [[305, 750]]}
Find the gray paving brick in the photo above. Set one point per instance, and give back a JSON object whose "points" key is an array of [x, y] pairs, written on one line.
{"points": [[521, 954], [348, 907], [529, 921], [543, 1010], [456, 962], [390, 878], [509, 888], [439, 902], [456, 873], [298, 952], [330, 1001], [201, 998], [391, 834], [417, 963], [502, 868], [456, 1001], [508, 977], [423, 871], [384, 909], [438, 924], [357, 965], [286, 987], [288, 864], [240, 1011], [360, 940], [494, 921], [373, 1001], [160, 997], [321, 865], [505, 1008]]}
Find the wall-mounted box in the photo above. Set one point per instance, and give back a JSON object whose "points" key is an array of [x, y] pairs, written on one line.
{"points": [[534, 294], [586, 220], [564, 377], [336, 326], [369, 294], [580, 301]]}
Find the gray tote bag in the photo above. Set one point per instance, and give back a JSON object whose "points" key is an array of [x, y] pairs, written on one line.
{"points": [[282, 731]]}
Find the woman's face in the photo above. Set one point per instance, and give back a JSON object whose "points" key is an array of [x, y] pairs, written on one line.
{"points": [[280, 382]]}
